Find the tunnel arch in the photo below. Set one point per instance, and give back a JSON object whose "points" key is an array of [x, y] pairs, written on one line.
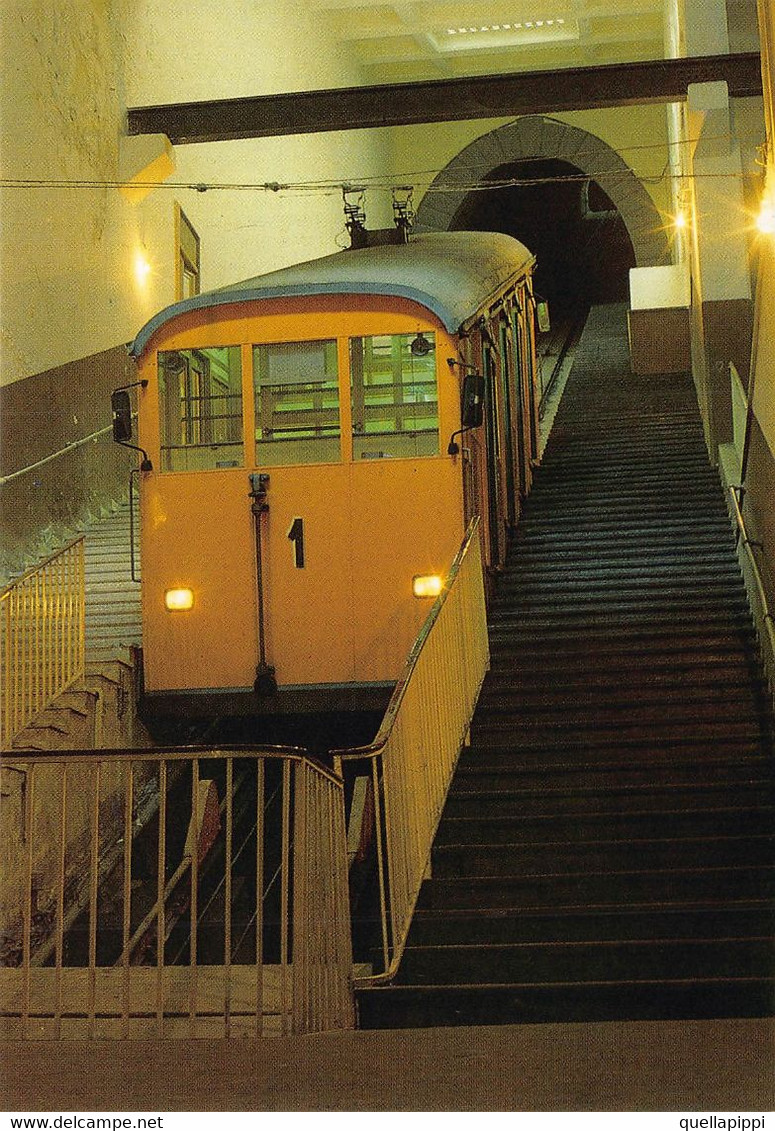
{"points": [[536, 137]]}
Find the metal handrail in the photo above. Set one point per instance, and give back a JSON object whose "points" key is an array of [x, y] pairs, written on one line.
{"points": [[28, 573], [410, 763], [76, 971], [62, 452], [766, 617], [55, 455], [400, 689]]}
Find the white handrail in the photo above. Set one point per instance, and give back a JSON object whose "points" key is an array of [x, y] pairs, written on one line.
{"points": [[55, 455]]}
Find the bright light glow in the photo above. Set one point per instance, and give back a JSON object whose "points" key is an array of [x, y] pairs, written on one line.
{"points": [[142, 268], [679, 220], [490, 29], [179, 600], [765, 221], [427, 585]]}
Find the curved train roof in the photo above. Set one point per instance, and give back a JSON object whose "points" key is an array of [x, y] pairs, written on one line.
{"points": [[452, 274]]}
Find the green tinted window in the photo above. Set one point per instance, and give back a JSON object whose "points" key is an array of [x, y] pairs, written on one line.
{"points": [[200, 408], [297, 403], [394, 396]]}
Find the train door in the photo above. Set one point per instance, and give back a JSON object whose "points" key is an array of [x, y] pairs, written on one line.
{"points": [[522, 429], [530, 373], [509, 391], [526, 442], [493, 454], [305, 532]]}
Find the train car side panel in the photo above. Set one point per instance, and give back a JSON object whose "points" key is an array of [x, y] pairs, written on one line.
{"points": [[407, 520]]}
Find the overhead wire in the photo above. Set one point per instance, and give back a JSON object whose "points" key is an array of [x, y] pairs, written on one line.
{"points": [[332, 188], [418, 178]]}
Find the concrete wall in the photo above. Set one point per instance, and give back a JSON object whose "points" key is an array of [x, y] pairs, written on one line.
{"points": [[72, 293], [68, 254], [70, 287], [177, 51]]}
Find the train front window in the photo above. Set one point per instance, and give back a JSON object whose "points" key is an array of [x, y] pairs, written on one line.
{"points": [[200, 408], [297, 403], [394, 397]]}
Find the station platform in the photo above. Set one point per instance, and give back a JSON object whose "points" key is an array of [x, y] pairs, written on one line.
{"points": [[613, 1066]]}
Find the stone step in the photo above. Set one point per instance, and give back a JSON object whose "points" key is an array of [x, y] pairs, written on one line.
{"points": [[393, 1007], [548, 890], [582, 962], [560, 817], [622, 853], [498, 925]]}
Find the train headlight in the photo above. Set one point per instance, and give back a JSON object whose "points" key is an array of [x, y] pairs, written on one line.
{"points": [[427, 585], [179, 600]]}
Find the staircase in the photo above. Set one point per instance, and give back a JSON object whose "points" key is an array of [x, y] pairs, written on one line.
{"points": [[607, 851], [112, 598], [97, 709]]}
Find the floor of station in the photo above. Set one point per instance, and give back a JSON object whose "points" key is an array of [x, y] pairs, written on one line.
{"points": [[677, 1066]]}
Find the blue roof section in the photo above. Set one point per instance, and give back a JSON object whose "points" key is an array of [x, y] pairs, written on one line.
{"points": [[452, 274]]}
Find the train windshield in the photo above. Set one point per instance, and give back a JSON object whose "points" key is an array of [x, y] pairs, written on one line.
{"points": [[394, 397], [297, 403], [200, 404]]}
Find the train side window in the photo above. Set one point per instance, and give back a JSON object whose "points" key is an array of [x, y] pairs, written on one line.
{"points": [[394, 396], [297, 403], [200, 408]]}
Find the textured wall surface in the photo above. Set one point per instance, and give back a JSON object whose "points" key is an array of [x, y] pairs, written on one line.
{"points": [[68, 253], [71, 293]]}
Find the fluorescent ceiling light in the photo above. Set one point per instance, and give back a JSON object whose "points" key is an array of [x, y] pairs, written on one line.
{"points": [[488, 37]]}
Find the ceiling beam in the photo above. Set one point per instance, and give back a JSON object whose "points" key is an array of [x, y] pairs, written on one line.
{"points": [[446, 100]]}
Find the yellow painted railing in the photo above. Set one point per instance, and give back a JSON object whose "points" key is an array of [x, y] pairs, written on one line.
{"points": [[410, 764], [163, 893], [41, 636], [179, 893]]}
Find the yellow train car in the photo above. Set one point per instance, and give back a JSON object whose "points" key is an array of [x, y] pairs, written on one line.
{"points": [[318, 439]]}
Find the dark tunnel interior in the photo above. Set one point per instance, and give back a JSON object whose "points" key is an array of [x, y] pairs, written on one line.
{"points": [[582, 246]]}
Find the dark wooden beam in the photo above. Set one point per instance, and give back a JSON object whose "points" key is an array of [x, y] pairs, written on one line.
{"points": [[446, 100]]}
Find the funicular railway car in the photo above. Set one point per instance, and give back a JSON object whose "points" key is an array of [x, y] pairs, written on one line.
{"points": [[319, 438]]}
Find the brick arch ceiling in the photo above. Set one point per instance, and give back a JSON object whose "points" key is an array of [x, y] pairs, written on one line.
{"points": [[535, 136]]}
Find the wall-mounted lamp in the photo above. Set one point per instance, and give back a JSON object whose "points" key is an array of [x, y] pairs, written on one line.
{"points": [[765, 221], [142, 268]]}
